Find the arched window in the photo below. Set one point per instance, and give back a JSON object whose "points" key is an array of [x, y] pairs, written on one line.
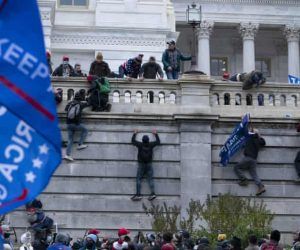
{"points": [[215, 100], [282, 100], [249, 101], [294, 100], [161, 97], [271, 100], [238, 99], [70, 94], [138, 96], [227, 99], [116, 96], [127, 96], [260, 99], [150, 97], [172, 98]]}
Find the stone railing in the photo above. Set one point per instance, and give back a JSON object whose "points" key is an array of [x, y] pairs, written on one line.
{"points": [[268, 95], [190, 92], [126, 92]]}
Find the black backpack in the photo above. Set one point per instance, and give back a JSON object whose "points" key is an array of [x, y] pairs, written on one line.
{"points": [[146, 153], [74, 111]]}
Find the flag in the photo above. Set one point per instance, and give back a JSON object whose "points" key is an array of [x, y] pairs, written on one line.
{"points": [[30, 137], [236, 140], [294, 79], [1, 239]]}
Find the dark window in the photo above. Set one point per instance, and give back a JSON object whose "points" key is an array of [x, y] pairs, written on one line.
{"points": [[74, 2], [218, 65], [263, 65]]}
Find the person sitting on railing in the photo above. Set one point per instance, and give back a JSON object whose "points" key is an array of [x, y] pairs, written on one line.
{"points": [[249, 79], [171, 60], [99, 67], [77, 71], [74, 111], [151, 69], [65, 69], [249, 162], [99, 93], [131, 68]]}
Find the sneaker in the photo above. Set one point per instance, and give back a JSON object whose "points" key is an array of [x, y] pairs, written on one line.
{"points": [[136, 197], [68, 158], [243, 182], [151, 197], [82, 146], [260, 190]]}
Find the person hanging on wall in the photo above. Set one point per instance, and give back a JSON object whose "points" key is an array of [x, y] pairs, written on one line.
{"points": [[252, 147], [171, 60], [145, 155]]}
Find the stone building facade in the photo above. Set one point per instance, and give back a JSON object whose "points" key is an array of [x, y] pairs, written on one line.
{"points": [[234, 35]]}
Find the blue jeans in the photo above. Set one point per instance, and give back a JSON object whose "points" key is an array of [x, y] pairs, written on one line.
{"points": [[247, 163], [144, 168], [72, 128], [172, 74]]}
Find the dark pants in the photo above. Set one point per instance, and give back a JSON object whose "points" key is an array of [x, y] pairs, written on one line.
{"points": [[247, 163], [72, 128], [297, 164], [121, 72], [144, 168], [173, 74]]}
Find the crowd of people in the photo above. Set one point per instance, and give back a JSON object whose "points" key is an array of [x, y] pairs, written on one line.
{"points": [[131, 68], [40, 236]]}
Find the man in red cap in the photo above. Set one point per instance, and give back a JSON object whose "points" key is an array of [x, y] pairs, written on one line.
{"points": [[123, 239], [65, 69]]}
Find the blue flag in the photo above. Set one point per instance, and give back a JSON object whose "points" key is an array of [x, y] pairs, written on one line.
{"points": [[236, 140], [30, 137], [1, 242], [294, 79]]}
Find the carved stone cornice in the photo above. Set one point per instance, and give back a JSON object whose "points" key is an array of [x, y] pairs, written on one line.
{"points": [[205, 29], [248, 30], [292, 33], [106, 40]]}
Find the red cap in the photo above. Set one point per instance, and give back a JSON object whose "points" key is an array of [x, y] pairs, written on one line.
{"points": [[226, 75], [65, 58], [89, 78], [94, 231], [123, 231]]}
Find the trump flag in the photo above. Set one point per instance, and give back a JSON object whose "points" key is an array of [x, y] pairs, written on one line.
{"points": [[236, 140], [30, 137]]}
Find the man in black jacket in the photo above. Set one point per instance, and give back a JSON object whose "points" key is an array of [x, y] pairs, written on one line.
{"points": [[151, 69], [253, 144], [74, 110], [145, 152]]}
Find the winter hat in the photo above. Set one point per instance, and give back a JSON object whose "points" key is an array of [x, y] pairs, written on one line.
{"points": [[62, 238], [26, 238], [171, 42], [123, 231], [226, 75], [94, 231], [167, 246], [65, 58], [93, 237], [145, 139]]}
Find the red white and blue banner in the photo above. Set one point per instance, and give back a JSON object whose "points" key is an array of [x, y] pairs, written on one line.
{"points": [[29, 133], [294, 79], [236, 140]]}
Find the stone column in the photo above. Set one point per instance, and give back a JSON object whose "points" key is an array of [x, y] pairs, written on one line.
{"points": [[195, 155], [203, 34], [292, 34], [248, 32]]}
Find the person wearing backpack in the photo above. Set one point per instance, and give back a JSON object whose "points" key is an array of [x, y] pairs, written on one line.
{"points": [[273, 244], [74, 110], [145, 152]]}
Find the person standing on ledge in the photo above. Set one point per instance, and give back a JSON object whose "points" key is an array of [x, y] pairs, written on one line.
{"points": [[145, 153], [252, 147], [171, 60]]}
